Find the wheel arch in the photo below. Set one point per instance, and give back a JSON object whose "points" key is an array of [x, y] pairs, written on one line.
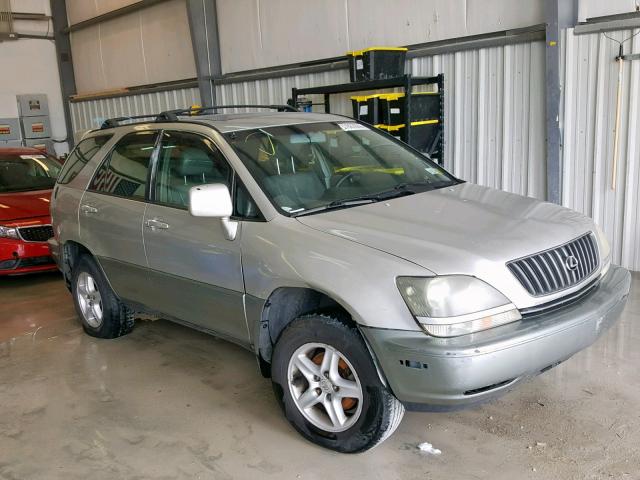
{"points": [[71, 253], [283, 306]]}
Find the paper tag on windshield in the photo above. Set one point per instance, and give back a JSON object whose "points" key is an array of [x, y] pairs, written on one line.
{"points": [[349, 126], [27, 157]]}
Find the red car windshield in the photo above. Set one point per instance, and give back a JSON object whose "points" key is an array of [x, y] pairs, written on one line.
{"points": [[24, 172]]}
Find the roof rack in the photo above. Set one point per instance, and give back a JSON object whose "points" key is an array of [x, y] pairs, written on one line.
{"points": [[172, 115], [114, 122], [201, 110]]}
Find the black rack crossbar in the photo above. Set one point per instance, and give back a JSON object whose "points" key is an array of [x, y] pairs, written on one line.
{"points": [[172, 115], [215, 108], [198, 110], [115, 122]]}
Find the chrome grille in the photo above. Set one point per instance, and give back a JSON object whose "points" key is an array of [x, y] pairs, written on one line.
{"points": [[557, 269], [41, 233]]}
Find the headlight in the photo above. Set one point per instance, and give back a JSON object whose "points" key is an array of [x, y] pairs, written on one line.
{"points": [[604, 249], [449, 306], [8, 232]]}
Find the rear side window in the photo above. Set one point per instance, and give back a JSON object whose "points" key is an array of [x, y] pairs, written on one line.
{"points": [[124, 173], [80, 156]]}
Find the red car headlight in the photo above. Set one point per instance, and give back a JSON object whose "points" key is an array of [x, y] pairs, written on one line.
{"points": [[8, 232]]}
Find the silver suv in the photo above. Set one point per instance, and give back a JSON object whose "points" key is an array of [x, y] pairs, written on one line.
{"points": [[366, 279]]}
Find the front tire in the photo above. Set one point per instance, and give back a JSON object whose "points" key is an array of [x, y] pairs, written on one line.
{"points": [[328, 386], [102, 314]]}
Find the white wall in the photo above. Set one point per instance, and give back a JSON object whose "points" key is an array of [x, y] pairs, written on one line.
{"points": [[600, 8], [263, 33], [30, 66], [149, 46]]}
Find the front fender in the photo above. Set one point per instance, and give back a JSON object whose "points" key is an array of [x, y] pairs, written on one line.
{"points": [[285, 253]]}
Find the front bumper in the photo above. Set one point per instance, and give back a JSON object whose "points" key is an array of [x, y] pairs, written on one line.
{"points": [[431, 373], [18, 257]]}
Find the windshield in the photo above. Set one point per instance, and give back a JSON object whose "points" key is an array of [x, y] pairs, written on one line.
{"points": [[312, 167], [21, 173]]}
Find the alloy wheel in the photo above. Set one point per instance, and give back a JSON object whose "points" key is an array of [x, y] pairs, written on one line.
{"points": [[325, 387], [89, 299]]}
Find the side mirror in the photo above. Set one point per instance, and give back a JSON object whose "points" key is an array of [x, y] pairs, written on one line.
{"points": [[214, 201]]}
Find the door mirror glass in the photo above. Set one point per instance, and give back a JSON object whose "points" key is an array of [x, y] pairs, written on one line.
{"points": [[213, 200]]}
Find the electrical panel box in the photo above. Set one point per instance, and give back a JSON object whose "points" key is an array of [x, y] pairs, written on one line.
{"points": [[36, 127], [33, 105], [41, 143], [9, 129]]}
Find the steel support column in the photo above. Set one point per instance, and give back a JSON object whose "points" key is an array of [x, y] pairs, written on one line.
{"points": [[203, 23], [65, 64], [558, 14]]}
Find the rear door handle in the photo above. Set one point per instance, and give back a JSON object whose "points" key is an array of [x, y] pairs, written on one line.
{"points": [[154, 223], [88, 209]]}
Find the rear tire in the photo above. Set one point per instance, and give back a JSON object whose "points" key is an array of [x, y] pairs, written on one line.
{"points": [[328, 386], [101, 313]]}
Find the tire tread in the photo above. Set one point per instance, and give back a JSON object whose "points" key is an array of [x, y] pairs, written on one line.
{"points": [[118, 319], [392, 409]]}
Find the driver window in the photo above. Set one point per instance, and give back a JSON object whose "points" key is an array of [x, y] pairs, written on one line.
{"points": [[186, 160]]}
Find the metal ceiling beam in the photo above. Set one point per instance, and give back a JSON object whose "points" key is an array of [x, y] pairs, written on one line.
{"points": [[203, 23], [30, 16], [119, 12], [65, 65], [558, 14], [624, 21]]}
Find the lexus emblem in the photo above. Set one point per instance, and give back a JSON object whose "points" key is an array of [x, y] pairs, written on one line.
{"points": [[571, 263]]}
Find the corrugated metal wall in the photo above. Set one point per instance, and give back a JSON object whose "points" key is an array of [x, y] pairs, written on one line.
{"points": [[89, 114], [589, 110], [495, 115], [494, 110]]}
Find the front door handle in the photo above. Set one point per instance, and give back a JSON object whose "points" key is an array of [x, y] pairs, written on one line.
{"points": [[154, 223], [88, 209]]}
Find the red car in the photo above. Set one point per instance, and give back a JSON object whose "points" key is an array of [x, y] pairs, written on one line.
{"points": [[27, 176]]}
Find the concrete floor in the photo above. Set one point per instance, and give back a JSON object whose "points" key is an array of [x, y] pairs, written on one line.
{"points": [[168, 402]]}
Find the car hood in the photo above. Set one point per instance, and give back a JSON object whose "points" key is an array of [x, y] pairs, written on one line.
{"points": [[22, 205], [465, 229]]}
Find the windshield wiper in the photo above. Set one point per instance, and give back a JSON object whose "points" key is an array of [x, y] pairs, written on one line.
{"points": [[400, 190], [352, 202], [420, 186], [349, 202]]}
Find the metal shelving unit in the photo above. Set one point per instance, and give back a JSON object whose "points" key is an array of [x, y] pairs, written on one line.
{"points": [[406, 82]]}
